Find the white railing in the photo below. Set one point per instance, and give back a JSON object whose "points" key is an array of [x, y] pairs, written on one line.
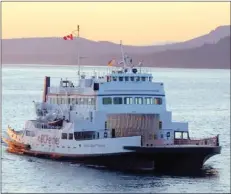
{"points": [[60, 90]]}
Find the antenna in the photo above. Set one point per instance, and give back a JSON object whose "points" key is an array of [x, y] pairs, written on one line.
{"points": [[122, 52]]}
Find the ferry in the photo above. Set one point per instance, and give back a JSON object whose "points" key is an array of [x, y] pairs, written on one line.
{"points": [[118, 120]]}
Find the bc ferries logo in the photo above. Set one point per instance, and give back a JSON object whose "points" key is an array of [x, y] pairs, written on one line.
{"points": [[48, 139]]}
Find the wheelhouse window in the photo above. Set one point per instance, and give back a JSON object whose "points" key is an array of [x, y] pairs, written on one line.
{"points": [[143, 79], [108, 78], [150, 79], [128, 100], [121, 79], [114, 79], [148, 100], [126, 78], [138, 100], [107, 100], [138, 79], [132, 79], [158, 101], [117, 100]]}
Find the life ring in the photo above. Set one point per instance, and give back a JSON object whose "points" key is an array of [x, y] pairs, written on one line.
{"points": [[105, 134]]}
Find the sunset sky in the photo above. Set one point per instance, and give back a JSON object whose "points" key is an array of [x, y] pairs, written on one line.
{"points": [[135, 23]]}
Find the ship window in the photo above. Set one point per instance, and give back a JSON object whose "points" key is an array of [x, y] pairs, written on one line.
{"points": [[93, 101], [30, 133], [84, 135], [126, 78], [64, 135], [105, 125], [160, 124], [107, 100], [143, 79], [121, 79], [132, 78], [162, 136], [148, 100], [168, 134], [128, 100], [150, 79], [81, 101], [117, 100], [157, 100], [155, 136], [85, 101], [70, 136], [137, 78], [58, 100], [177, 135], [138, 100], [114, 78], [62, 100], [185, 135], [108, 78]]}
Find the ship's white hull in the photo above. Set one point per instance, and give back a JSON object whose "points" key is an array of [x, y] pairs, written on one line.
{"points": [[120, 153], [54, 145]]}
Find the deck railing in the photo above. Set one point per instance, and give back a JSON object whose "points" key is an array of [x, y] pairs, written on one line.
{"points": [[213, 141]]}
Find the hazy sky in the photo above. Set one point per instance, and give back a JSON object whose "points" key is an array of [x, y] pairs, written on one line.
{"points": [[134, 22]]}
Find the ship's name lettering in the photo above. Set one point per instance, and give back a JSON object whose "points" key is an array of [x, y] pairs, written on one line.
{"points": [[48, 139], [93, 145]]}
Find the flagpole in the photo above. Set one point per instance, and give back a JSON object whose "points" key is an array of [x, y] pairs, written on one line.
{"points": [[78, 53]]}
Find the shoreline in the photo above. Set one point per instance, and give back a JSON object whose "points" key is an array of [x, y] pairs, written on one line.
{"points": [[99, 66]]}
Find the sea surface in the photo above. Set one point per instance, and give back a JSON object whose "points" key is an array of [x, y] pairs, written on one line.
{"points": [[198, 96]]}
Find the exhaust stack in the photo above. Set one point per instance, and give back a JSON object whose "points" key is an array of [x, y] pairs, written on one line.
{"points": [[46, 85]]}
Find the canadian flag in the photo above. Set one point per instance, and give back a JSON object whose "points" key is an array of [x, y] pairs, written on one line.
{"points": [[68, 37]]}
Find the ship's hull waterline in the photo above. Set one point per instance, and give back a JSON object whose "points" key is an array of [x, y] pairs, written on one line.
{"points": [[161, 158]]}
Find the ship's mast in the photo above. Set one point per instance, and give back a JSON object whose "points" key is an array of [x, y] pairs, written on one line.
{"points": [[122, 53]]}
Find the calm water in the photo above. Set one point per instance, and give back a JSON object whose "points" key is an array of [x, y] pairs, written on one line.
{"points": [[200, 97]]}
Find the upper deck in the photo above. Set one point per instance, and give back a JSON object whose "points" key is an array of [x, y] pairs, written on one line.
{"points": [[114, 82]]}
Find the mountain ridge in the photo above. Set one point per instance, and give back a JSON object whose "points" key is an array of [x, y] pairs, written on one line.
{"points": [[55, 51]]}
